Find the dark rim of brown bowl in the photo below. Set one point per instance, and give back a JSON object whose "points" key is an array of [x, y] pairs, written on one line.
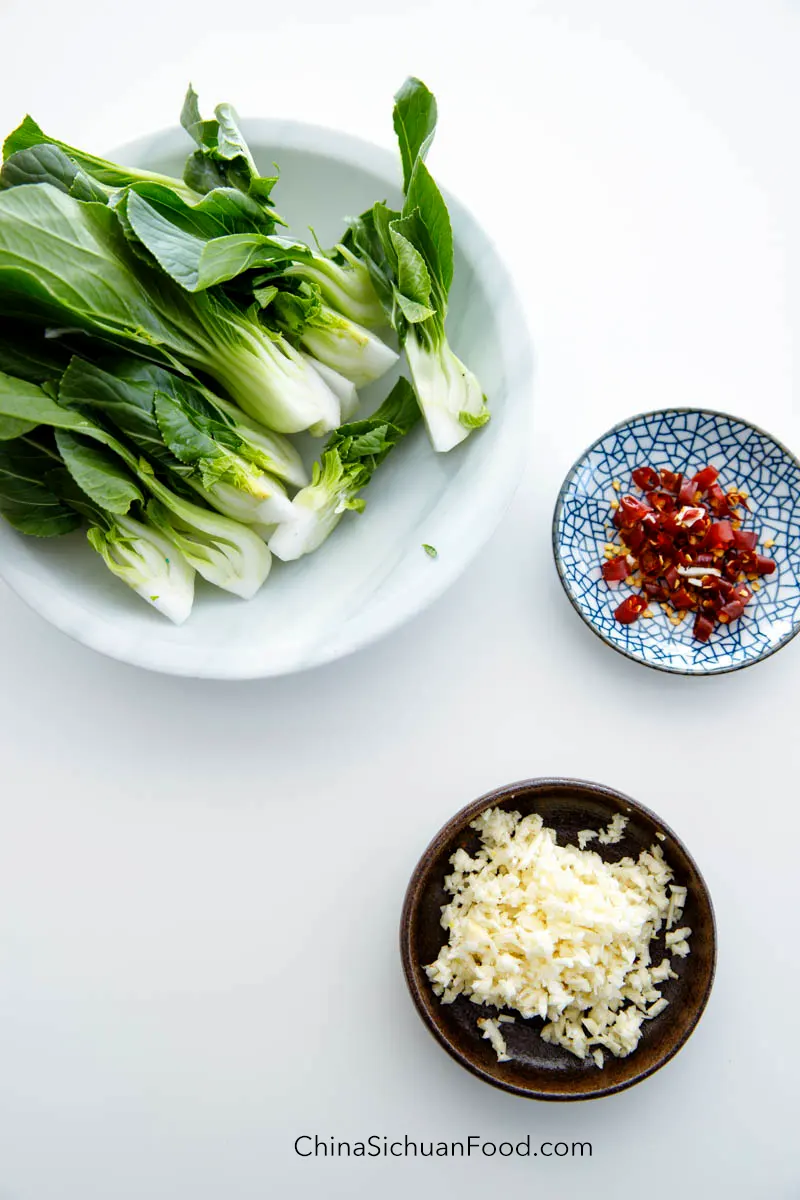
{"points": [[421, 992]]}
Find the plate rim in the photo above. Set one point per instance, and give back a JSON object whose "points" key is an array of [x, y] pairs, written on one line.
{"points": [[455, 825], [693, 672]]}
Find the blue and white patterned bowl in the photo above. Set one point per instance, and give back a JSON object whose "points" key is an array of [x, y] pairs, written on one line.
{"points": [[683, 439]]}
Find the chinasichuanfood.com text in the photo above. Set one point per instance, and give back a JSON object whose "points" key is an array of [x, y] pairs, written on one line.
{"points": [[309, 1145]]}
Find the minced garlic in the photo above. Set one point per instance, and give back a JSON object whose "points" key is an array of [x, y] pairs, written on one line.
{"points": [[557, 932]]}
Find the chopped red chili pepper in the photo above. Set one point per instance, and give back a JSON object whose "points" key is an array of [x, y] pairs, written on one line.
{"points": [[655, 590], [634, 539], [719, 536], [646, 478], [663, 544], [727, 590], [680, 538], [661, 500], [733, 567], [670, 481], [718, 501], [650, 562], [737, 500], [693, 518], [631, 511], [616, 569], [703, 479], [745, 539], [703, 628], [730, 612], [630, 609], [683, 598]]}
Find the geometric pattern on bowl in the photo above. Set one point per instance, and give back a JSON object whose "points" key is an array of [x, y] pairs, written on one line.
{"points": [[683, 440]]}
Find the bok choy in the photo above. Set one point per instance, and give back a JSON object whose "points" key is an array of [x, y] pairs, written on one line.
{"points": [[148, 563], [334, 340], [163, 340], [418, 247], [39, 497], [97, 487], [182, 427], [223, 551], [66, 263], [348, 462], [92, 175]]}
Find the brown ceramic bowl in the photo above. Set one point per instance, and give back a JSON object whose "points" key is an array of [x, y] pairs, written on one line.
{"points": [[537, 1069]]}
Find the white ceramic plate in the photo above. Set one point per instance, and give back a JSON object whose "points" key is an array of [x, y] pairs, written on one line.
{"points": [[372, 574]]}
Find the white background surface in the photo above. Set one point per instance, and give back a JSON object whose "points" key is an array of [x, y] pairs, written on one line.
{"points": [[199, 883]]}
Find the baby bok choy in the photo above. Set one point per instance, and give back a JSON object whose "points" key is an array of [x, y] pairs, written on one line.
{"points": [[226, 233], [351, 456], [410, 258], [67, 263], [180, 424], [225, 552], [147, 562], [337, 342], [39, 497], [162, 339], [344, 281], [119, 529]]}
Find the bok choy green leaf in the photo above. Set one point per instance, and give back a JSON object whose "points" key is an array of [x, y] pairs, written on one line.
{"points": [[48, 164], [222, 158], [111, 175], [414, 118], [203, 244], [27, 501]]}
